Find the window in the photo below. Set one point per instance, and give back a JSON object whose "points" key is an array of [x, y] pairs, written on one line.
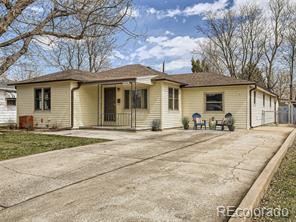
{"points": [[263, 99], [176, 99], [126, 99], [11, 101], [42, 99], [38, 99], [46, 99], [138, 97], [214, 102], [173, 99], [269, 101], [254, 97]]}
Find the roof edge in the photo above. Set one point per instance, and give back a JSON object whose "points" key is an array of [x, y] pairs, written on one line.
{"points": [[266, 90], [235, 84], [170, 80], [45, 81]]}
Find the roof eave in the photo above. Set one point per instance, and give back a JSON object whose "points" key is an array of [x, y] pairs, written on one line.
{"points": [[44, 81], [217, 85], [108, 81], [170, 80]]}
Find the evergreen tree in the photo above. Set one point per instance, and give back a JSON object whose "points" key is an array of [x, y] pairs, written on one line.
{"points": [[199, 65]]}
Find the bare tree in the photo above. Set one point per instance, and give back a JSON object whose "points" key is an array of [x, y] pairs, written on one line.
{"points": [[251, 40], [90, 54], [274, 38], [289, 49], [282, 86], [221, 33], [23, 21], [209, 52], [248, 43]]}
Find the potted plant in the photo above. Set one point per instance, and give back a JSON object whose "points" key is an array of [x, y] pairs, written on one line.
{"points": [[230, 123], [212, 123], [156, 125], [185, 122]]}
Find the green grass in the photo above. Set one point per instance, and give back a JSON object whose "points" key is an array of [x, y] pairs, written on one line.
{"points": [[282, 190], [17, 144]]}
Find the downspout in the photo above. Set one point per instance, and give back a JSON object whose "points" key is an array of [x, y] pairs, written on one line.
{"points": [[250, 96], [275, 113], [72, 103]]}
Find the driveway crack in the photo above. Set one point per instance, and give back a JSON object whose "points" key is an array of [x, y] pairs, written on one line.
{"points": [[236, 166]]}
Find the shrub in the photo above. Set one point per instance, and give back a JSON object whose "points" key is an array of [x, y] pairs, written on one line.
{"points": [[212, 123], [156, 125], [185, 122]]}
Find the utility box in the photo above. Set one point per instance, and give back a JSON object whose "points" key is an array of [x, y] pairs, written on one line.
{"points": [[26, 122]]}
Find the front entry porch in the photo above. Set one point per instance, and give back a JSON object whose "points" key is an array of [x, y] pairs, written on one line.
{"points": [[123, 104], [115, 110]]}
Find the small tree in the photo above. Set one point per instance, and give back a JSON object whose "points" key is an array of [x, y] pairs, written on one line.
{"points": [[199, 65]]}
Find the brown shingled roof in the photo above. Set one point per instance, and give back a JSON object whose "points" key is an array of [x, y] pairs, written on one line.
{"points": [[122, 73], [75, 75], [208, 79], [130, 72]]}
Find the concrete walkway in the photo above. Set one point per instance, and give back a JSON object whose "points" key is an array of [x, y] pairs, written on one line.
{"points": [[171, 176]]}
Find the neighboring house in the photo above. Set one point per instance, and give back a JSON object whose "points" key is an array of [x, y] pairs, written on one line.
{"points": [[7, 103], [134, 95]]}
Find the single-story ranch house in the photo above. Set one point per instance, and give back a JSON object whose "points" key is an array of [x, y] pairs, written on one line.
{"points": [[133, 96]]}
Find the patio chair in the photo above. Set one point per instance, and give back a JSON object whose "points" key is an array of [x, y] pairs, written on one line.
{"points": [[197, 120], [222, 122]]}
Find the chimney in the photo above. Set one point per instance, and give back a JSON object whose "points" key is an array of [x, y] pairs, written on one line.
{"points": [[163, 66]]}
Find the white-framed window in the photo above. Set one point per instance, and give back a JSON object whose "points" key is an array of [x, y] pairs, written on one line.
{"points": [[42, 99], [173, 99], [213, 102], [11, 101], [137, 98]]}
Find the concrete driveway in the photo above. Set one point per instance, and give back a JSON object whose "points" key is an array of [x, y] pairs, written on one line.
{"points": [[174, 175]]}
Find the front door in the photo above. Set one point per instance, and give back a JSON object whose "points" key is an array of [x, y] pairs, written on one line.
{"points": [[110, 104]]}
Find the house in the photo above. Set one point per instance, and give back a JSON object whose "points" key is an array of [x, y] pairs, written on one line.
{"points": [[133, 96], [7, 103]]}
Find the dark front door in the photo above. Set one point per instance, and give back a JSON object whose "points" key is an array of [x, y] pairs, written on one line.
{"points": [[110, 104]]}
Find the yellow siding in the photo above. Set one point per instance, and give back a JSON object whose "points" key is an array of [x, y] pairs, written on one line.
{"points": [[144, 117], [235, 102], [170, 118], [86, 106], [59, 115]]}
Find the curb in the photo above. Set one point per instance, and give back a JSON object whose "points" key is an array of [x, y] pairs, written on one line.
{"points": [[259, 187]]}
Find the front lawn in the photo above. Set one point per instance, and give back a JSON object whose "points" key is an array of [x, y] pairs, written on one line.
{"points": [[282, 190], [17, 144]]}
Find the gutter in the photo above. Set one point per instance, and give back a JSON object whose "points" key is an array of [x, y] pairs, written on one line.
{"points": [[250, 96], [72, 103]]}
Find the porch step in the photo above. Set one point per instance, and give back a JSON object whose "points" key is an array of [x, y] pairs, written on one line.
{"points": [[112, 128]]}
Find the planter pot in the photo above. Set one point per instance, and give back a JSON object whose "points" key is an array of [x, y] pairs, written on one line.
{"points": [[186, 127], [231, 127]]}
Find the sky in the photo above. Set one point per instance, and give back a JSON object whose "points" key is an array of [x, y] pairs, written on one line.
{"points": [[167, 32]]}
